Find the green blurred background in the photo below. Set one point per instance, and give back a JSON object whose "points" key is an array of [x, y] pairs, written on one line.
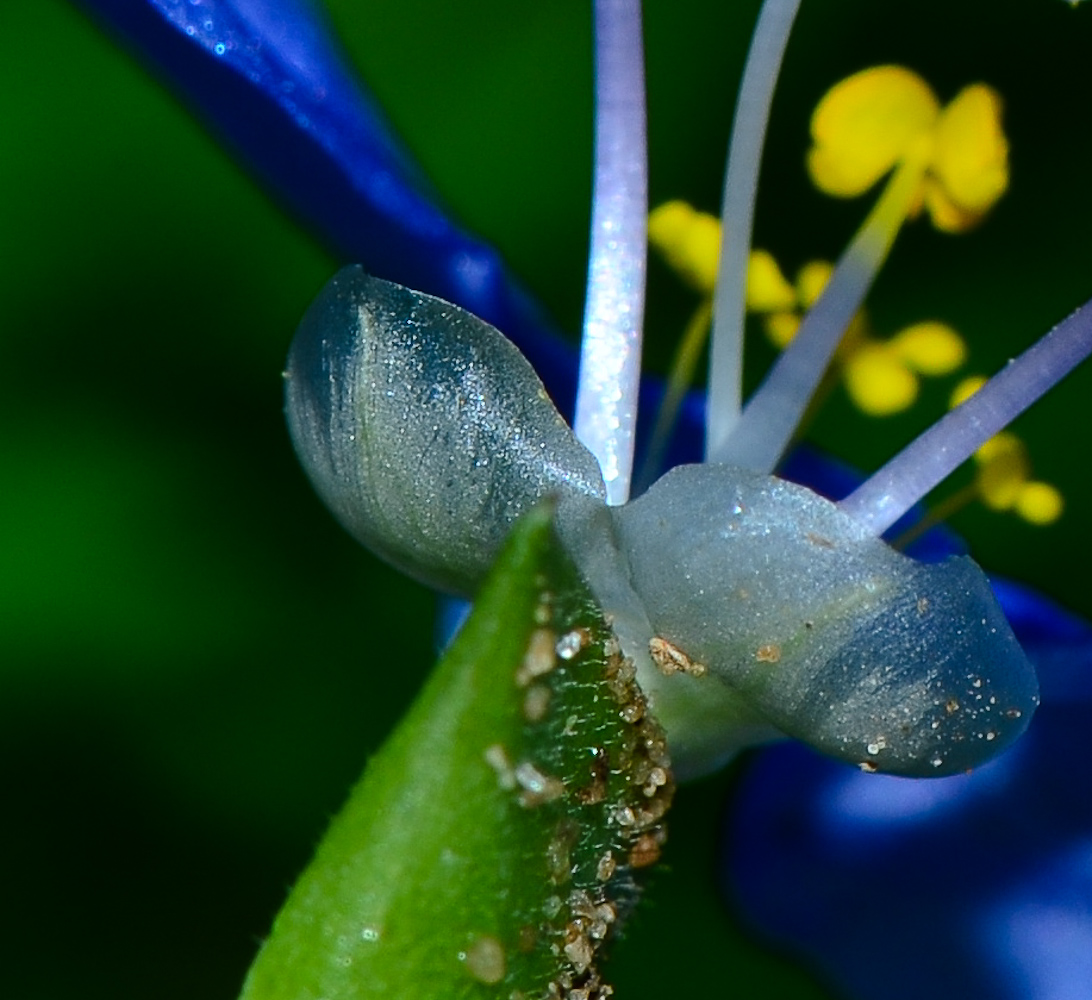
{"points": [[187, 682]]}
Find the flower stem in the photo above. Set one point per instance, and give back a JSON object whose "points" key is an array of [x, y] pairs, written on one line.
{"points": [[610, 357], [773, 413]]}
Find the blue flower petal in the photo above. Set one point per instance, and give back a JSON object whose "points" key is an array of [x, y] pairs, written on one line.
{"points": [[268, 79], [977, 885]]}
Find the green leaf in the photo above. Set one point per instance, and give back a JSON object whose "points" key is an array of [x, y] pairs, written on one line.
{"points": [[489, 849]]}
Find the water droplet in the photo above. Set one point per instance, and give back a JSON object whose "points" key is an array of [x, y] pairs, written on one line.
{"points": [[571, 643]]}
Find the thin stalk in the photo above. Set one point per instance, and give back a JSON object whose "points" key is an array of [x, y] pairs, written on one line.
{"points": [[610, 356], [737, 213], [943, 511], [679, 380], [882, 499], [773, 413]]}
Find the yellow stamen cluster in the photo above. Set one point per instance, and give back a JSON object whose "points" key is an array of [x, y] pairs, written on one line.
{"points": [[864, 127], [880, 117], [882, 377], [1003, 472]]}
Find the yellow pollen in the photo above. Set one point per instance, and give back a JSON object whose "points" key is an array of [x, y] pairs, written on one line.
{"points": [[881, 377], [1003, 469], [970, 159], [930, 348], [811, 280], [781, 328], [965, 390], [688, 241], [1039, 503], [886, 115], [864, 125], [767, 289], [878, 381], [1003, 481]]}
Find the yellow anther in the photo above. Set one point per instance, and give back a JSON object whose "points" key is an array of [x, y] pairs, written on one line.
{"points": [[811, 279], [769, 292], [886, 115], [689, 242], [971, 154], [947, 216], [1039, 503], [1002, 444], [767, 289], [1003, 470], [781, 328], [930, 348], [1002, 479], [865, 124], [878, 381], [966, 389]]}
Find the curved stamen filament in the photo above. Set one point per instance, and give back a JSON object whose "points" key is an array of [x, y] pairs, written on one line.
{"points": [[737, 212], [889, 493], [774, 412], [679, 380], [610, 365]]}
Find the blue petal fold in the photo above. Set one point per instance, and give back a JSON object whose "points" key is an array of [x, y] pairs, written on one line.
{"points": [[269, 80]]}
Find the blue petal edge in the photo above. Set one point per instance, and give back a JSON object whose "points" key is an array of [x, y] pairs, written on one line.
{"points": [[268, 79]]}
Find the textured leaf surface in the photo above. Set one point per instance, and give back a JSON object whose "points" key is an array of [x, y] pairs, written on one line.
{"points": [[489, 848]]}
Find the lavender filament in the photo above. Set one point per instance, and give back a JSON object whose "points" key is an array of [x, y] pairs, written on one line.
{"points": [[737, 213], [882, 499], [610, 355], [773, 413]]}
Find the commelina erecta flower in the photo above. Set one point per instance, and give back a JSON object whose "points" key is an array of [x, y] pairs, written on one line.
{"points": [[975, 885]]}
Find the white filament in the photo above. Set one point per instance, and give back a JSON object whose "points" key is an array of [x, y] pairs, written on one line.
{"points": [[880, 501], [610, 355], [737, 212], [774, 412]]}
